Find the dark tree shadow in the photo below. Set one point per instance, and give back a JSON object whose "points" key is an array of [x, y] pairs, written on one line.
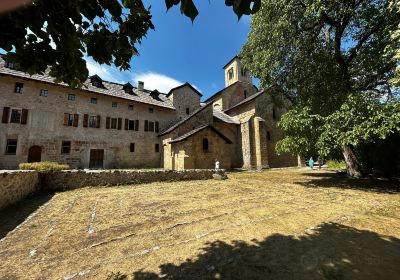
{"points": [[333, 251], [334, 180], [14, 215]]}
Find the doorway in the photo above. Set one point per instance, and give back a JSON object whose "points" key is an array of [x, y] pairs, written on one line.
{"points": [[96, 158], [35, 154]]}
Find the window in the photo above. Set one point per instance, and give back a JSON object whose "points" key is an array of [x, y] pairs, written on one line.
{"points": [[273, 113], [131, 125], [18, 87], [113, 123], [71, 97], [130, 107], [151, 110], [243, 72], [93, 100], [15, 116], [157, 148], [230, 73], [268, 136], [132, 147], [66, 147], [70, 121], [93, 121], [151, 126], [205, 144], [11, 148], [245, 94], [114, 105], [44, 92], [187, 111]]}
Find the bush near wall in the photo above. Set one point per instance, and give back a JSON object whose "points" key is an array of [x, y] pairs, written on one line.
{"points": [[336, 164], [43, 166]]}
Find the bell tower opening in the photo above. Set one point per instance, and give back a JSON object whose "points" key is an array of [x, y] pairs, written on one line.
{"points": [[235, 71]]}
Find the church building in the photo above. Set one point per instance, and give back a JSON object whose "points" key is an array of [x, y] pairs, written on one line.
{"points": [[111, 125]]}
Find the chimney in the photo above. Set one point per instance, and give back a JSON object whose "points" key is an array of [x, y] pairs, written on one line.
{"points": [[140, 85]]}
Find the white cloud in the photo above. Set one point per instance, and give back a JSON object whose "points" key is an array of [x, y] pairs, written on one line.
{"points": [[153, 80], [105, 72]]}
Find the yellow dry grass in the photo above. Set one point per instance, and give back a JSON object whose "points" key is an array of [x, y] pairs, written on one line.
{"points": [[275, 224]]}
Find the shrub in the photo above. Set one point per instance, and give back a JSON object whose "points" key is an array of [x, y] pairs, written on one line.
{"points": [[43, 166], [336, 164]]}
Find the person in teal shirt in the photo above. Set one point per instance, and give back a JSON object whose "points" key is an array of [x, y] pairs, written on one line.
{"points": [[311, 163]]}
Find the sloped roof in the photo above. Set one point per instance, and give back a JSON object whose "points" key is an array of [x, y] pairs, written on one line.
{"points": [[198, 129], [109, 89], [244, 101], [225, 88], [184, 85], [229, 62], [224, 117], [195, 112]]}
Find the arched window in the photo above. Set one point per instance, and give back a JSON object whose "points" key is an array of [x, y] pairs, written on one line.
{"points": [[205, 144]]}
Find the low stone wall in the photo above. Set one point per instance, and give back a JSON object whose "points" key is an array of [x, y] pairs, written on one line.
{"points": [[72, 179], [16, 185]]}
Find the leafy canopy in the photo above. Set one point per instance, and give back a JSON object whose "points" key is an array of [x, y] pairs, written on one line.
{"points": [[336, 61], [58, 34]]}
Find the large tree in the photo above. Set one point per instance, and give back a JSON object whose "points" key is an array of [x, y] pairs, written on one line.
{"points": [[334, 59], [58, 33]]}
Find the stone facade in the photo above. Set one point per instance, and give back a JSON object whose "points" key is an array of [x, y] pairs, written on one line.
{"points": [[110, 125], [16, 185]]}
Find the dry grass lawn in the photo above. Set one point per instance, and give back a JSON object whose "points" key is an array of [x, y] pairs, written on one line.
{"points": [[275, 224]]}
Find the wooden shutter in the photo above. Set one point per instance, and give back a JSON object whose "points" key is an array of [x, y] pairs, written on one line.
{"points": [[6, 113], [66, 118], [108, 122], [98, 122], [157, 126], [146, 125], [119, 123], [85, 120], [24, 116], [76, 120], [126, 124], [136, 125]]}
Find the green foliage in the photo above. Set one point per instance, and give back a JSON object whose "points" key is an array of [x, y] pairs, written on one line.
{"points": [[336, 164], [43, 166], [55, 35], [336, 62]]}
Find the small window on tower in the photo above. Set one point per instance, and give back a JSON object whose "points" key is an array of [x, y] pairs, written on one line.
{"points": [[157, 148], [230, 73], [273, 113], [187, 111], [245, 94], [132, 147], [268, 136]]}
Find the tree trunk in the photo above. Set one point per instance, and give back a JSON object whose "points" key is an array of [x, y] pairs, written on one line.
{"points": [[353, 166]]}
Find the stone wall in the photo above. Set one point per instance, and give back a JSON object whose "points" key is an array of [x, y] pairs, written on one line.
{"points": [[16, 185], [72, 179]]}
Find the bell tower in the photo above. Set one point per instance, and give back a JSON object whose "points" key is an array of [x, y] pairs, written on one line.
{"points": [[234, 71]]}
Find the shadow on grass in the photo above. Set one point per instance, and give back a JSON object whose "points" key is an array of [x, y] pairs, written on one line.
{"points": [[334, 180], [14, 215], [333, 251]]}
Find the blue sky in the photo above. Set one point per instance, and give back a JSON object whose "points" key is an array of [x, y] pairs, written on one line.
{"points": [[178, 51]]}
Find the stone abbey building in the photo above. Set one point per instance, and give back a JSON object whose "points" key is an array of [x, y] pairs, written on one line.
{"points": [[110, 125]]}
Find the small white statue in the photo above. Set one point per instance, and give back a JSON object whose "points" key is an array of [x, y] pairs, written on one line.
{"points": [[216, 164]]}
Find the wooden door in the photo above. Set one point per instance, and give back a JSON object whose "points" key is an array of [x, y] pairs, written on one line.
{"points": [[35, 154], [96, 158]]}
